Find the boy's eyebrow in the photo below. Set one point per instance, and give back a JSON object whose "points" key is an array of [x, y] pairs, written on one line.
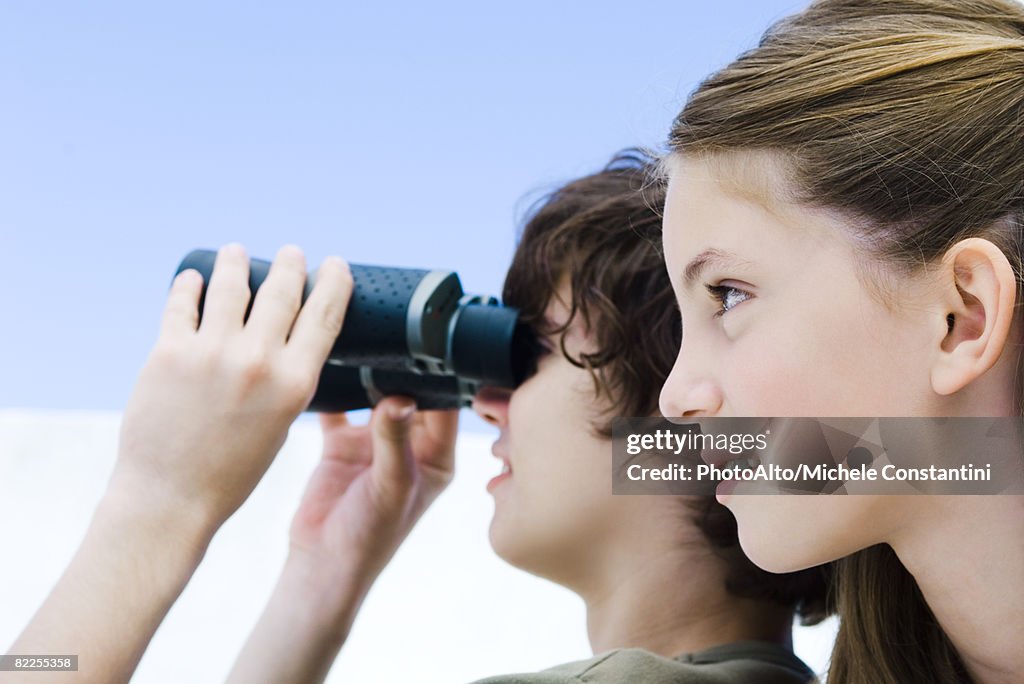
{"points": [[707, 259]]}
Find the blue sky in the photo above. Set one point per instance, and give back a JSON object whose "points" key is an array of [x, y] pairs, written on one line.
{"points": [[408, 134]]}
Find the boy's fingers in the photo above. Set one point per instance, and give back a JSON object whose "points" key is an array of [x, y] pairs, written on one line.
{"points": [[333, 420], [391, 423], [278, 300], [181, 313], [227, 295], [320, 318], [442, 428]]}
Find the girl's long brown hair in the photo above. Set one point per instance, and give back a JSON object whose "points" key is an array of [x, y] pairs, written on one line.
{"points": [[906, 117]]}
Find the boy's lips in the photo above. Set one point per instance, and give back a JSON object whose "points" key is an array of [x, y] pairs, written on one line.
{"points": [[498, 450]]}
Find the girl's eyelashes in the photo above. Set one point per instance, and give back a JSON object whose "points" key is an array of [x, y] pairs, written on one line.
{"points": [[727, 297]]}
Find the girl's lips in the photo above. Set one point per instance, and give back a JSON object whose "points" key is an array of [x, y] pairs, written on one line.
{"points": [[717, 457]]}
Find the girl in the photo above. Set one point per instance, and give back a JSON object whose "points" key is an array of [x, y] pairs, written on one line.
{"points": [[843, 230]]}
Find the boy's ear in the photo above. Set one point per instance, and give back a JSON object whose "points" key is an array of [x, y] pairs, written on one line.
{"points": [[980, 290]]}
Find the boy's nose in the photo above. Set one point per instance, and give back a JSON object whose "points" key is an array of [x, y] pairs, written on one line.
{"points": [[491, 404]]}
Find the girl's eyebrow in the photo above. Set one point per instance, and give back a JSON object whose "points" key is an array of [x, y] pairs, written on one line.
{"points": [[707, 259]]}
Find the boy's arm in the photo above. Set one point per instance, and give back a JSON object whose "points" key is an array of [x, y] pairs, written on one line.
{"points": [[133, 563], [371, 486], [208, 414]]}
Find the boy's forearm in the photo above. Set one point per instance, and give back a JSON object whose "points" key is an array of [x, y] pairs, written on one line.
{"points": [[303, 627], [133, 563]]}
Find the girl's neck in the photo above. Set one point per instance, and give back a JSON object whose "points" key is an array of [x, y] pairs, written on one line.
{"points": [[967, 556]]}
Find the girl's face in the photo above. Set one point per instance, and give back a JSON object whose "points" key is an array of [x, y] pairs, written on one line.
{"points": [[779, 319]]}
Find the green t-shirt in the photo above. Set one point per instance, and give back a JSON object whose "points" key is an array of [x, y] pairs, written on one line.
{"points": [[753, 662]]}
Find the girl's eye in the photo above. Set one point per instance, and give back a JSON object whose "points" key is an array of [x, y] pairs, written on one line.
{"points": [[727, 297]]}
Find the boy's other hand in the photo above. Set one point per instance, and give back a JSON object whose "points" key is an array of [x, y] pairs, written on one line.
{"points": [[215, 400]]}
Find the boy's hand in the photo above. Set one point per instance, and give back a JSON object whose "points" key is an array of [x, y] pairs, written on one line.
{"points": [[214, 402], [371, 486]]}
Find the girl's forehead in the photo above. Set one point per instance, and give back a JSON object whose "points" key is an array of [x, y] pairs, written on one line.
{"points": [[743, 203], [761, 177], [702, 217]]}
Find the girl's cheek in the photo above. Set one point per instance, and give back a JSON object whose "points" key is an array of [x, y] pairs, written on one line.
{"points": [[755, 384]]}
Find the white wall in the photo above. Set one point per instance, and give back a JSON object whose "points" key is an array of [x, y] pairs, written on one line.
{"points": [[445, 610]]}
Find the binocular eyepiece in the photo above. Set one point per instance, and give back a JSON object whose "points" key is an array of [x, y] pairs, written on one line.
{"points": [[411, 332]]}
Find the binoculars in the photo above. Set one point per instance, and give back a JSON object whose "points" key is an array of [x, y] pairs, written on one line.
{"points": [[411, 332]]}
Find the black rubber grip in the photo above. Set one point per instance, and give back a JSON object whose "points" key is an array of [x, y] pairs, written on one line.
{"points": [[375, 327]]}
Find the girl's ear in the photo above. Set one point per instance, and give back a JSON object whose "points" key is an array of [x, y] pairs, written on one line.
{"points": [[980, 290]]}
